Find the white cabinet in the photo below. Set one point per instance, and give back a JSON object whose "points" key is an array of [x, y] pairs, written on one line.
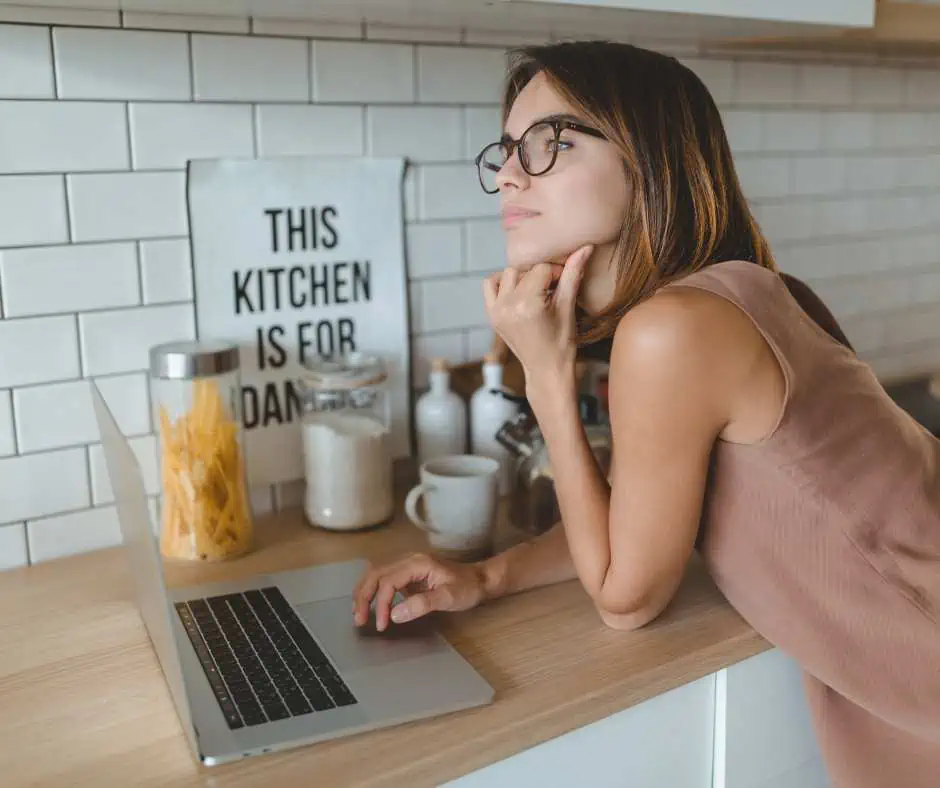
{"points": [[764, 736], [844, 13], [666, 741], [668, 18], [744, 727]]}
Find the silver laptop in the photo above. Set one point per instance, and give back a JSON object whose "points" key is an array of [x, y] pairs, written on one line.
{"points": [[275, 661]]}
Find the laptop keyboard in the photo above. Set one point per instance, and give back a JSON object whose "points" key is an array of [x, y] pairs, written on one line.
{"points": [[261, 661]]}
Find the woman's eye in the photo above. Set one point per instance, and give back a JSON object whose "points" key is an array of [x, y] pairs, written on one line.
{"points": [[560, 145]]}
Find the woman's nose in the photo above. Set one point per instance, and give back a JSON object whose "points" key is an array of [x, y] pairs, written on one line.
{"points": [[511, 174]]}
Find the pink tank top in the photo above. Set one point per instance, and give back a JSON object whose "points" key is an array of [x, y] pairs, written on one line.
{"points": [[825, 537]]}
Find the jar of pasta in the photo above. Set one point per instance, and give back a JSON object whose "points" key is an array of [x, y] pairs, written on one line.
{"points": [[196, 396]]}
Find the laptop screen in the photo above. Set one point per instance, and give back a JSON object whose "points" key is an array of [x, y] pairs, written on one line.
{"points": [[140, 546]]}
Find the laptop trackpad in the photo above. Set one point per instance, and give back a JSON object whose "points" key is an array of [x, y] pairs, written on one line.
{"points": [[352, 647]]}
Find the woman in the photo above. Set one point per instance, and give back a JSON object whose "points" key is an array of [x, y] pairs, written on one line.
{"points": [[739, 426]]}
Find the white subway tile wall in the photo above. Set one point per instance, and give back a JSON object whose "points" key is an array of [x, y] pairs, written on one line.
{"points": [[32, 210], [422, 134], [13, 553], [841, 161], [353, 72], [38, 350], [43, 483], [145, 450], [62, 136], [165, 271], [110, 205], [47, 15], [118, 340], [75, 532], [86, 276], [241, 68], [120, 64], [306, 28], [7, 430], [309, 130], [164, 136], [22, 44], [188, 22]]}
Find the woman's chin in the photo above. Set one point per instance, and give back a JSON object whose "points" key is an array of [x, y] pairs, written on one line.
{"points": [[520, 254]]}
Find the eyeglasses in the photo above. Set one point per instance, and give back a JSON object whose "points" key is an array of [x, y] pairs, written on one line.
{"points": [[538, 150]]}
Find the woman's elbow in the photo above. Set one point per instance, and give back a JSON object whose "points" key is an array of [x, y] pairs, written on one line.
{"points": [[628, 614], [627, 622]]}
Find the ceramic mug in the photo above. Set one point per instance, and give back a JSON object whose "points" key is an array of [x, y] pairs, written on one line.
{"points": [[460, 493]]}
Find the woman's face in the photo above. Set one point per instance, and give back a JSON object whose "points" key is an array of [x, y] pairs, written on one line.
{"points": [[581, 200]]}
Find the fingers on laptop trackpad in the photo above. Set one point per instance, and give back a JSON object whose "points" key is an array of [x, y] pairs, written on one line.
{"points": [[410, 630], [353, 647]]}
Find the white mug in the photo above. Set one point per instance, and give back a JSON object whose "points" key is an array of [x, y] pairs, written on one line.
{"points": [[461, 494]]}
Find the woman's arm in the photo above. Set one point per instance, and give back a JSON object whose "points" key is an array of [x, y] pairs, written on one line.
{"points": [[541, 561], [678, 363]]}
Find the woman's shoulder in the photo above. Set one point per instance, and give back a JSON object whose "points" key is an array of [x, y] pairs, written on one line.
{"points": [[681, 318], [704, 338]]}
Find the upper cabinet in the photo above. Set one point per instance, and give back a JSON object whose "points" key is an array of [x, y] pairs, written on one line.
{"points": [[841, 13], [670, 19], [904, 26]]}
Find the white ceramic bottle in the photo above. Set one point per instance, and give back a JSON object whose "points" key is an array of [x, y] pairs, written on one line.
{"points": [[488, 412], [440, 417]]}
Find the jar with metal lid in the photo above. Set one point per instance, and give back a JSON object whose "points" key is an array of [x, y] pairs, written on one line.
{"points": [[347, 442], [533, 504], [196, 396]]}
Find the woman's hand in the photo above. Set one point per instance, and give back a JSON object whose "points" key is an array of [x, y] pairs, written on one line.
{"points": [[428, 584], [538, 324]]}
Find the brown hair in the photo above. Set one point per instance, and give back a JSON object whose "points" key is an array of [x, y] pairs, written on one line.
{"points": [[688, 210]]}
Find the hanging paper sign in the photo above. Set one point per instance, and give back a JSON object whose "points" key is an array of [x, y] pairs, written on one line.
{"points": [[295, 258]]}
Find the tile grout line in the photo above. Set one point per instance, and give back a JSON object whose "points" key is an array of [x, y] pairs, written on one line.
{"points": [[82, 371], [89, 481], [464, 247], [55, 64], [366, 136], [101, 310], [311, 77], [70, 447], [15, 422], [67, 195], [191, 66], [131, 159], [139, 259]]}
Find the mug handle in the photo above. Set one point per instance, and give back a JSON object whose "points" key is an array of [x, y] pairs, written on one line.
{"points": [[411, 508]]}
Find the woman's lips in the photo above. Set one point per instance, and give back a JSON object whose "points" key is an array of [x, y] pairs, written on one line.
{"points": [[513, 215]]}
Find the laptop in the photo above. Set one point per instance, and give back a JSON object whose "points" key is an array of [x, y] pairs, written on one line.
{"points": [[275, 661]]}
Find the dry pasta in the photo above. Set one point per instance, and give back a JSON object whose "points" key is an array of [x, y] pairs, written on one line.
{"points": [[206, 512]]}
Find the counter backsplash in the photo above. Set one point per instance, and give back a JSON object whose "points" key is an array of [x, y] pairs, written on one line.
{"points": [[841, 161]]}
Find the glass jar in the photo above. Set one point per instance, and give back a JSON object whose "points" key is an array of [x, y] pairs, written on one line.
{"points": [[196, 396], [347, 442]]}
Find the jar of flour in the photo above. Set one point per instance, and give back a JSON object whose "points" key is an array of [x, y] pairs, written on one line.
{"points": [[346, 441]]}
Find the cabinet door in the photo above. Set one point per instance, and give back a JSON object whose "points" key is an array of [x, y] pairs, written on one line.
{"points": [[767, 739], [666, 741], [845, 13]]}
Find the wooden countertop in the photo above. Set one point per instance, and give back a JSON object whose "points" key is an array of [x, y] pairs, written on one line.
{"points": [[83, 701]]}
